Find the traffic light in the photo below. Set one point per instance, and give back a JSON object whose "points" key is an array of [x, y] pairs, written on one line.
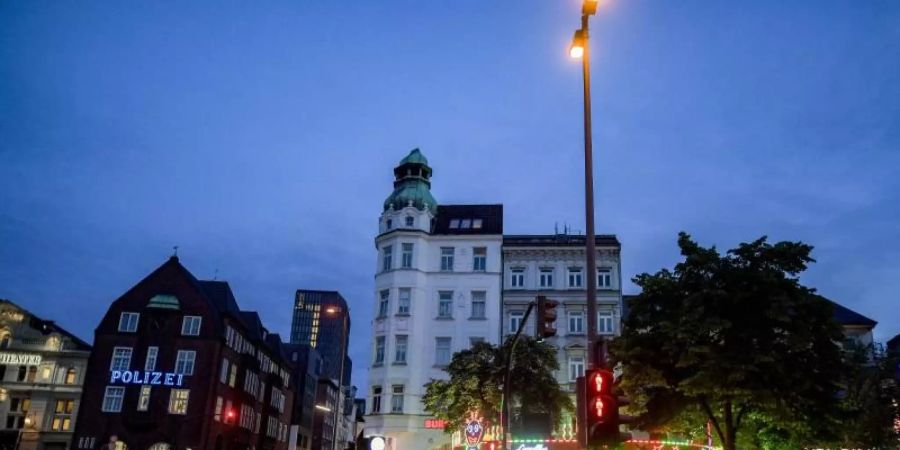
{"points": [[546, 317], [229, 415], [598, 409]]}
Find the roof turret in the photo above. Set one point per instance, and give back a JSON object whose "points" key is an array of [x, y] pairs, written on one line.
{"points": [[412, 184]]}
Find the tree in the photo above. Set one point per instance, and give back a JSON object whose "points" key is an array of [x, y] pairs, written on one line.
{"points": [[476, 379], [735, 339]]}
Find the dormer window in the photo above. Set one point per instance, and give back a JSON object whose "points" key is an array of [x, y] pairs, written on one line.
{"points": [[454, 223], [410, 221], [476, 223], [465, 224]]}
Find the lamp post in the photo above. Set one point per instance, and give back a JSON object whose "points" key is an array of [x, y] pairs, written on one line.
{"points": [[581, 49]]}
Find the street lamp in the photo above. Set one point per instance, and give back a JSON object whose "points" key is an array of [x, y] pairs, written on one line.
{"points": [[581, 49]]}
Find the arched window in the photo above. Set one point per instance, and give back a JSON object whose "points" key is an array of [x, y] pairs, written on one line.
{"points": [[4, 341], [70, 375]]}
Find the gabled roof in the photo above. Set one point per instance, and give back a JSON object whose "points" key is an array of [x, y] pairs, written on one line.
{"points": [[846, 316], [449, 218], [49, 326]]}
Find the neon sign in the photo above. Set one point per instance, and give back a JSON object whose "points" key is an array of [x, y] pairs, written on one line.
{"points": [[152, 378], [435, 424], [19, 359]]}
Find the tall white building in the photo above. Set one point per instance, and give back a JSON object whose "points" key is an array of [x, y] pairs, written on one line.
{"points": [[555, 266], [437, 290]]}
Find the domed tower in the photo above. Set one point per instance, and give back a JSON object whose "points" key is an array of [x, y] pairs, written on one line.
{"points": [[410, 205]]}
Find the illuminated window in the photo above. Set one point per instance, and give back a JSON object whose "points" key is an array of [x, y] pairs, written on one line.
{"points": [[454, 223], [144, 398], [604, 278], [184, 362], [445, 304], [517, 278], [70, 376], [223, 371], [476, 223], [150, 362], [447, 259], [128, 322], [232, 378], [217, 415], [406, 255], [575, 280], [112, 399], [479, 304], [576, 367], [190, 326], [121, 358], [465, 224], [479, 259], [403, 301], [546, 277], [178, 401], [18, 410]]}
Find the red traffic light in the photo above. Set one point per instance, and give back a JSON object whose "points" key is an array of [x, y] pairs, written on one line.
{"points": [[229, 415], [598, 409], [599, 381]]}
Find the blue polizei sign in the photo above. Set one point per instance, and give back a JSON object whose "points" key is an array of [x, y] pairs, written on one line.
{"points": [[153, 378]]}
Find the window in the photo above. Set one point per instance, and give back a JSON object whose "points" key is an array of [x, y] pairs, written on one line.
{"points": [[604, 278], [32, 374], [144, 398], [383, 303], [546, 278], [389, 224], [232, 376], [62, 415], [128, 322], [410, 221], [454, 223], [406, 255], [18, 409], [400, 351], [515, 319], [190, 326], [479, 302], [576, 367], [217, 415], [447, 259], [517, 278], [465, 223], [442, 351], [576, 322], [475, 340], [70, 376], [121, 358], [476, 223], [379, 350], [23, 370], [150, 362], [376, 399], [445, 304], [574, 277], [397, 399], [479, 259], [112, 399], [223, 371], [388, 254], [403, 301], [605, 323], [184, 362], [178, 401]]}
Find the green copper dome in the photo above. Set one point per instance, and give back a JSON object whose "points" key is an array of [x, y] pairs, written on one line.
{"points": [[412, 184]]}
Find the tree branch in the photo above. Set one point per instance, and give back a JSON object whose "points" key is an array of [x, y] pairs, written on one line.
{"points": [[740, 415], [712, 418]]}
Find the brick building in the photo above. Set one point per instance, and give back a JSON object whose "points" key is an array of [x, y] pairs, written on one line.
{"points": [[177, 365]]}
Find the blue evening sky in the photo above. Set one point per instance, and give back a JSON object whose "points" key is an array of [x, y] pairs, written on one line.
{"points": [[260, 137]]}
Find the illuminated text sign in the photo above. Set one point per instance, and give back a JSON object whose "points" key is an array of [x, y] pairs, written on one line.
{"points": [[435, 424], [19, 359], [138, 377]]}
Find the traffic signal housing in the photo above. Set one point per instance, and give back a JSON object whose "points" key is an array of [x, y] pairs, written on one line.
{"points": [[598, 409], [546, 317]]}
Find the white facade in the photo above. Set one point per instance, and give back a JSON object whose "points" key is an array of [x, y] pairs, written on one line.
{"points": [[445, 314], [549, 265]]}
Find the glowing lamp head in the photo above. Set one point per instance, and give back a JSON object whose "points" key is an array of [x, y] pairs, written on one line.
{"points": [[576, 50], [377, 443], [597, 407], [589, 7]]}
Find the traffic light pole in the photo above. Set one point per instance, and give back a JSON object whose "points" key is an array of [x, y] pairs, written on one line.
{"points": [[504, 413]]}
